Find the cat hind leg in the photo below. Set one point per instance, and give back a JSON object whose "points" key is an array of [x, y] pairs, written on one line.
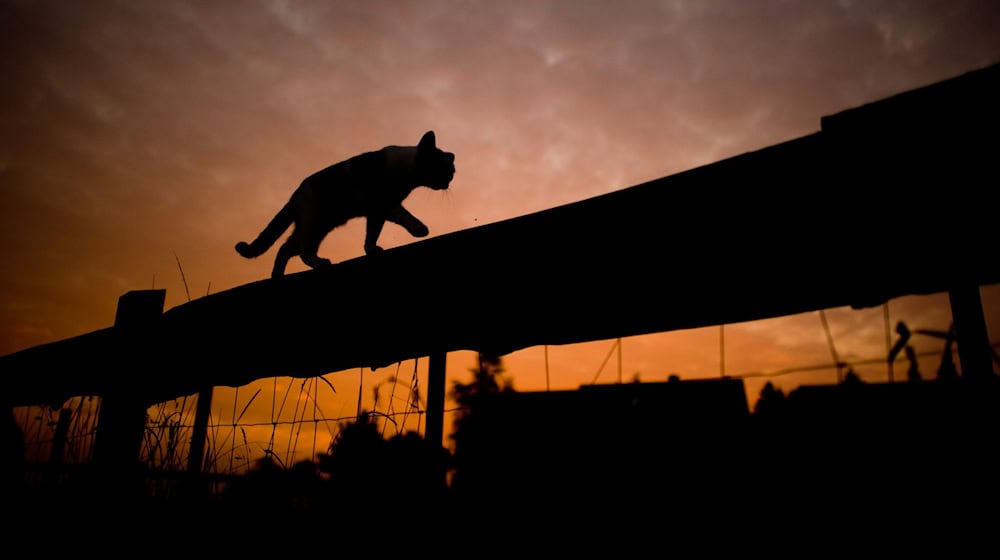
{"points": [[287, 250], [373, 229], [309, 255]]}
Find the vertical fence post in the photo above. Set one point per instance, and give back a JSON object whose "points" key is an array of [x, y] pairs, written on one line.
{"points": [[12, 459], [970, 332], [60, 438], [121, 422], [435, 405], [435, 398], [199, 433]]}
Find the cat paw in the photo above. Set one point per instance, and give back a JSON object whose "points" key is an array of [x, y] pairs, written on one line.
{"points": [[319, 263], [373, 250], [420, 231]]}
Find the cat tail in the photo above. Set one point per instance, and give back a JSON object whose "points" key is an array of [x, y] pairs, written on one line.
{"points": [[271, 233]]}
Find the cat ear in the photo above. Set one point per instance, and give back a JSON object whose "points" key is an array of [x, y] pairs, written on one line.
{"points": [[427, 142]]}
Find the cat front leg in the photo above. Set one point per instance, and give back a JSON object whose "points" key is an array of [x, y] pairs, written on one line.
{"points": [[401, 216], [373, 229]]}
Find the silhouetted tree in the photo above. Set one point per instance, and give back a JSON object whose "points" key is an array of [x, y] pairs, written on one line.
{"points": [[420, 468], [770, 422], [269, 486], [947, 370], [851, 378], [368, 473], [487, 378], [771, 402], [357, 461], [913, 373]]}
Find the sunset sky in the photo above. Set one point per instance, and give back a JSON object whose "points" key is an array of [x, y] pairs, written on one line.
{"points": [[137, 134]]}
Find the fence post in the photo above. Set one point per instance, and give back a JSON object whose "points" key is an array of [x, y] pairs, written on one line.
{"points": [[435, 403], [970, 332], [121, 421], [60, 438], [199, 433], [435, 397]]}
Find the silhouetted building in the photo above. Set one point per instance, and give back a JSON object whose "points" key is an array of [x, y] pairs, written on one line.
{"points": [[847, 451], [604, 444]]}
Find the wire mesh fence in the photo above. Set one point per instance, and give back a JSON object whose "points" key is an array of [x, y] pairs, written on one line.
{"points": [[284, 420]]}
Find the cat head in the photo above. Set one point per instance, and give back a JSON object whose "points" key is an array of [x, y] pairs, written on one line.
{"points": [[435, 167]]}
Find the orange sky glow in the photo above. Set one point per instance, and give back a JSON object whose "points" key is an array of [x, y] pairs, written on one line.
{"points": [[142, 139]]}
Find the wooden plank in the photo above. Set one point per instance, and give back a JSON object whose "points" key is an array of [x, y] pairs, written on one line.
{"points": [[836, 218]]}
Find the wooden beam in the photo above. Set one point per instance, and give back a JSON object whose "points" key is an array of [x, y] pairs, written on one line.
{"points": [[799, 226]]}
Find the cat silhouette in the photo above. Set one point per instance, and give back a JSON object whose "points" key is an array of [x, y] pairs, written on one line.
{"points": [[371, 185]]}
